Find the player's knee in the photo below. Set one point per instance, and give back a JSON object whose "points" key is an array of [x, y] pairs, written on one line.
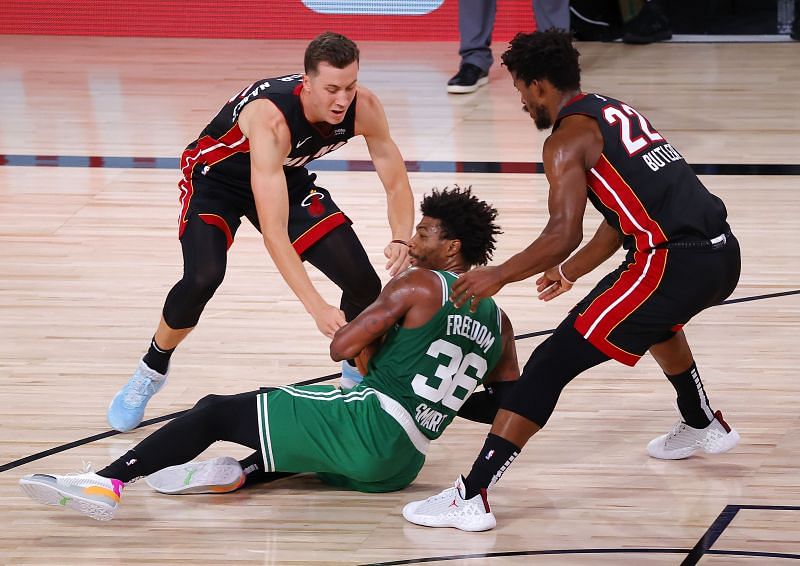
{"points": [[187, 299], [209, 401], [372, 287], [374, 470], [539, 387], [535, 399], [366, 290], [201, 285]]}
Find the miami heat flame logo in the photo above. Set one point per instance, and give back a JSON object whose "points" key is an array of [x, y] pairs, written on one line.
{"points": [[313, 202]]}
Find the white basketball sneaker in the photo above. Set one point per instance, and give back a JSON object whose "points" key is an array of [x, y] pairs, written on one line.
{"points": [[683, 441], [450, 509], [87, 493], [218, 475]]}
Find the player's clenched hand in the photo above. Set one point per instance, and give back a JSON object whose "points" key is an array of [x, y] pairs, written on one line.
{"points": [[397, 255], [552, 284], [329, 319], [475, 285]]}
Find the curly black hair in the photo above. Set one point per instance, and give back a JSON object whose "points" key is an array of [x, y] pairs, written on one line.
{"points": [[332, 48], [464, 217], [544, 55]]}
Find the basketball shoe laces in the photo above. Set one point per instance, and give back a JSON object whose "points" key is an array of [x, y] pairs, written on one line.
{"points": [[139, 389], [448, 502], [682, 435], [679, 427], [86, 468]]}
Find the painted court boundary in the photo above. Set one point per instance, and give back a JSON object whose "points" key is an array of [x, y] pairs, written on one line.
{"points": [[693, 555], [125, 162]]}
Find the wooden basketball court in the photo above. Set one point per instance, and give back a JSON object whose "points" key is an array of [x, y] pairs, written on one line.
{"points": [[89, 131]]}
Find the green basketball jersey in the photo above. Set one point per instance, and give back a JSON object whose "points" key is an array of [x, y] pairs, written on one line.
{"points": [[432, 369]]}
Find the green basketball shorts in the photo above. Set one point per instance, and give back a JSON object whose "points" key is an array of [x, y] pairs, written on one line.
{"points": [[361, 440]]}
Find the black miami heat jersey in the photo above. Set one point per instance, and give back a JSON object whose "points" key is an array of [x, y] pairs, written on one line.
{"points": [[222, 153], [640, 184]]}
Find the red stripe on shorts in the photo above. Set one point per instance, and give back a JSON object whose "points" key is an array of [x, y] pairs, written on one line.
{"points": [[618, 302], [317, 231]]}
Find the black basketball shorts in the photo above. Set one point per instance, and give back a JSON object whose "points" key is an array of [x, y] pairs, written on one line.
{"points": [[312, 211], [649, 298]]}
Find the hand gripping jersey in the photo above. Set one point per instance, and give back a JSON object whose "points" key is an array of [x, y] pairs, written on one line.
{"points": [[222, 153], [432, 369], [641, 184]]}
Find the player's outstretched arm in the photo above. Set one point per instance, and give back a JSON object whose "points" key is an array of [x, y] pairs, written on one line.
{"points": [[372, 124], [269, 139], [560, 279], [567, 154]]}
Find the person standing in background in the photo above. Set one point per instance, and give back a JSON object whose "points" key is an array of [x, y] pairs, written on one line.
{"points": [[475, 26]]}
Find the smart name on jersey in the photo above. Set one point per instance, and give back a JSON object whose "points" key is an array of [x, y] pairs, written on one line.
{"points": [[431, 370]]}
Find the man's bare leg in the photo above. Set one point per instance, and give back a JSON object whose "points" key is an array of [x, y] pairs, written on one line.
{"points": [[168, 338]]}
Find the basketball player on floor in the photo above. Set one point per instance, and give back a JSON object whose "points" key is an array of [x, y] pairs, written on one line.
{"points": [[682, 258], [373, 438], [250, 161]]}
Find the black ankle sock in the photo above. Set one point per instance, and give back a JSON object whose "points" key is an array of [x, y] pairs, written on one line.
{"points": [[157, 358], [253, 464], [692, 399], [253, 467], [124, 469], [493, 459]]}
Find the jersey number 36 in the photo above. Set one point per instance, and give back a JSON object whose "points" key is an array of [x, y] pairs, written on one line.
{"points": [[451, 377]]}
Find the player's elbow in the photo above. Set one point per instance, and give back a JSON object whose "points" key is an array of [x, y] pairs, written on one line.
{"points": [[564, 243], [340, 351], [274, 237], [336, 353], [572, 241], [562, 236]]}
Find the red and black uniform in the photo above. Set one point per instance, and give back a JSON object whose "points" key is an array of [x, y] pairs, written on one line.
{"points": [[216, 166], [682, 257], [215, 193]]}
